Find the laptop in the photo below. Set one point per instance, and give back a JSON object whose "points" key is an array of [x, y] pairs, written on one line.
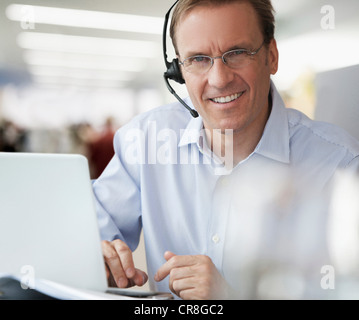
{"points": [[48, 223]]}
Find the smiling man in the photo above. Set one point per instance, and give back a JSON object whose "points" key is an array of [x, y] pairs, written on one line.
{"points": [[188, 212], [227, 95]]}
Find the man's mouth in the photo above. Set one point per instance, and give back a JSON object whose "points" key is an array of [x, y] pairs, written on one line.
{"points": [[227, 99]]}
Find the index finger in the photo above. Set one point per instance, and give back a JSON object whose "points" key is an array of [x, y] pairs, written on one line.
{"points": [[114, 264], [173, 262], [128, 275], [125, 254]]}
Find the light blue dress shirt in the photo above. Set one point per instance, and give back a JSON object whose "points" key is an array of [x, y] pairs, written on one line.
{"points": [[163, 179]]}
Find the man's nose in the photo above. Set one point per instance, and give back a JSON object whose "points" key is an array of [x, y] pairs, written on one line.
{"points": [[220, 75]]}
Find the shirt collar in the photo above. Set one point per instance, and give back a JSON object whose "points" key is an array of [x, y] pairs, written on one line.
{"points": [[274, 143], [192, 133]]}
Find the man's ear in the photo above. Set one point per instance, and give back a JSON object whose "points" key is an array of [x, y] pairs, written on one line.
{"points": [[273, 56]]}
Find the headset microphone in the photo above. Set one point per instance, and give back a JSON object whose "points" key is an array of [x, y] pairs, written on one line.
{"points": [[173, 70]]}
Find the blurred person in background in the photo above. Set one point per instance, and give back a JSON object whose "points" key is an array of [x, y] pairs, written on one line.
{"points": [[12, 138], [1, 137], [100, 148]]}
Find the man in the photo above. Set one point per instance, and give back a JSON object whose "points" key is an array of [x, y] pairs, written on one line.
{"points": [[164, 175]]}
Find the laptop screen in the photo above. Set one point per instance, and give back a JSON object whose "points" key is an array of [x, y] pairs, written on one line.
{"points": [[48, 222]]}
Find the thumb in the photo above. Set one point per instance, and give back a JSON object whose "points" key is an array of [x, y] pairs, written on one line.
{"points": [[168, 255]]}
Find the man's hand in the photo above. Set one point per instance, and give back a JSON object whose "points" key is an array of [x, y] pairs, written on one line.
{"points": [[120, 269], [193, 277]]}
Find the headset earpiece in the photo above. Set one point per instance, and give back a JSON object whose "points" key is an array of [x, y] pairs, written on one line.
{"points": [[173, 68], [174, 72]]}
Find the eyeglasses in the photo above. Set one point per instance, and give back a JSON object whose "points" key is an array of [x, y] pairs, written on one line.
{"points": [[234, 59]]}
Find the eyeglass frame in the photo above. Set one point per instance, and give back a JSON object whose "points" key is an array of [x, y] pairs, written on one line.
{"points": [[246, 51]]}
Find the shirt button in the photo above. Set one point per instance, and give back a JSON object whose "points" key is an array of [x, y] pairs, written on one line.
{"points": [[215, 238], [224, 182]]}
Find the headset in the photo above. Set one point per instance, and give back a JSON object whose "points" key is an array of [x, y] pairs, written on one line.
{"points": [[173, 69]]}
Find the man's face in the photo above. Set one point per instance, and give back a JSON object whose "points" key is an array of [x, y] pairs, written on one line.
{"points": [[213, 31]]}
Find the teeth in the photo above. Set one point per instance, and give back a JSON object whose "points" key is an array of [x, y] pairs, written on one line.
{"points": [[228, 98]]}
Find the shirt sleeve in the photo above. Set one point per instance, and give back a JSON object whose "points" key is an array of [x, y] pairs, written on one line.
{"points": [[117, 197], [353, 166]]}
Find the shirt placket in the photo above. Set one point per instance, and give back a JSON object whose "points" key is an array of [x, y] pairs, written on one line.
{"points": [[220, 208]]}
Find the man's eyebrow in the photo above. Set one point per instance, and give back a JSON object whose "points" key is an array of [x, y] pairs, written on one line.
{"points": [[195, 53], [244, 45]]}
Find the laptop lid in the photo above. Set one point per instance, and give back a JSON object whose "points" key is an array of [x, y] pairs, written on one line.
{"points": [[48, 223]]}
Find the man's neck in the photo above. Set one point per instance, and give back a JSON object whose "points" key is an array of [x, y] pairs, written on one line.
{"points": [[239, 144]]}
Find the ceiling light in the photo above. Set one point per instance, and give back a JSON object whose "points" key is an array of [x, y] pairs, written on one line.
{"points": [[87, 45], [79, 74], [81, 61], [59, 82], [85, 19]]}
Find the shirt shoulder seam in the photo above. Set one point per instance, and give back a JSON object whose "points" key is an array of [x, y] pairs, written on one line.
{"points": [[323, 137]]}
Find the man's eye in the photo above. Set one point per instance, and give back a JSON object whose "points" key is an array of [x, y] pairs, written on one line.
{"points": [[235, 53], [199, 59]]}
